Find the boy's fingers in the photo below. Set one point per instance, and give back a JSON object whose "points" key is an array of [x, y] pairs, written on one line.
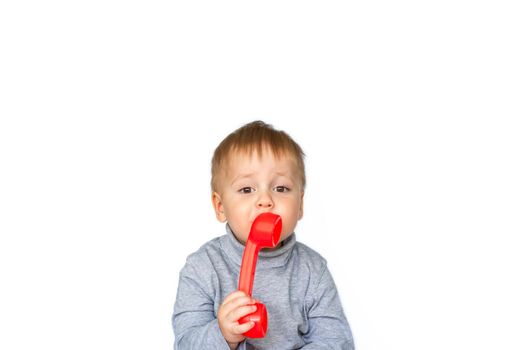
{"points": [[234, 295], [238, 302], [242, 328], [239, 312], [229, 310]]}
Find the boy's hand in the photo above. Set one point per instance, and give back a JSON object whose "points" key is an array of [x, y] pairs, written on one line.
{"points": [[236, 305]]}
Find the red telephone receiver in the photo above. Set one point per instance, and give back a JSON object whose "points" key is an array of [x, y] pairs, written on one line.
{"points": [[265, 232]]}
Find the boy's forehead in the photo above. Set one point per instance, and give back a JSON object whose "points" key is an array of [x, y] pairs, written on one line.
{"points": [[245, 159], [239, 164]]}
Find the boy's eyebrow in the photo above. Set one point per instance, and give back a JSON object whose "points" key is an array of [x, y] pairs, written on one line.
{"points": [[247, 175], [240, 176], [284, 173]]}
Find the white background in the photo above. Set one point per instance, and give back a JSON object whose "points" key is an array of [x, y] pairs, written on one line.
{"points": [[409, 113]]}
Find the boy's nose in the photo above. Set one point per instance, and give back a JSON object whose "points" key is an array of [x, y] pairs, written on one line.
{"points": [[265, 201]]}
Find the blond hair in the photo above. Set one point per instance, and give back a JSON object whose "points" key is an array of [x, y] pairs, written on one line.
{"points": [[252, 137]]}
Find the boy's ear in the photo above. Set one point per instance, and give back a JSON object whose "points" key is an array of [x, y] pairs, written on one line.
{"points": [[301, 208], [218, 207]]}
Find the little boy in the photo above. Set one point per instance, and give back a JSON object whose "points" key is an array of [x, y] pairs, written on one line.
{"points": [[254, 170]]}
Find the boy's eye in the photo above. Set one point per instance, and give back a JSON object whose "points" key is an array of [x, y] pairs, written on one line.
{"points": [[282, 189], [246, 190]]}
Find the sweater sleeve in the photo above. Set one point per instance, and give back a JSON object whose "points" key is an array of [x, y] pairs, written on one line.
{"points": [[194, 322], [328, 327]]}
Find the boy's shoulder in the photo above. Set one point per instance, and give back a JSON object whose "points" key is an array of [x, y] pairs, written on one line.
{"points": [[309, 258], [206, 252], [308, 252]]}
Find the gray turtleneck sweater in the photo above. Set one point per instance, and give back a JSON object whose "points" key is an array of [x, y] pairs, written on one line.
{"points": [[293, 281]]}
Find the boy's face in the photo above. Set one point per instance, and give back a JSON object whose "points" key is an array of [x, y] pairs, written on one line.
{"points": [[251, 185]]}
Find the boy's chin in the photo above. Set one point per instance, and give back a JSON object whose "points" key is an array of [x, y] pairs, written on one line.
{"points": [[243, 242]]}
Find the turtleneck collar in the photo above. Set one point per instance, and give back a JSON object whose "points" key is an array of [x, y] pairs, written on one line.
{"points": [[268, 258]]}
